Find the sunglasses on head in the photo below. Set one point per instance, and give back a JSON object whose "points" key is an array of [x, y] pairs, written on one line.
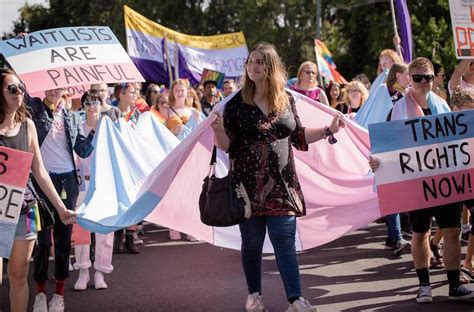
{"points": [[14, 88], [419, 78], [92, 103]]}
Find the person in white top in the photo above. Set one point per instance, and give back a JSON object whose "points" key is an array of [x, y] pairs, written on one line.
{"points": [[103, 242]]}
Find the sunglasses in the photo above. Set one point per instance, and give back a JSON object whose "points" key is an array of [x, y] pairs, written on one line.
{"points": [[419, 78], [92, 103], [14, 88]]}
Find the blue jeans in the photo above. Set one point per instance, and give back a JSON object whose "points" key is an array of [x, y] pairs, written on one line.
{"points": [[394, 229], [282, 231]]}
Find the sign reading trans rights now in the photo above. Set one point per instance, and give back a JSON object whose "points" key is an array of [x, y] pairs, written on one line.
{"points": [[69, 56], [424, 162]]}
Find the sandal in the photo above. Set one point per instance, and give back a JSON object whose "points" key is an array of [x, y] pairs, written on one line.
{"points": [[436, 263], [467, 272], [464, 278]]}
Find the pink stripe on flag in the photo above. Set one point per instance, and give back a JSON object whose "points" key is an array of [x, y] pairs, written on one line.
{"points": [[14, 167], [440, 190], [80, 75]]}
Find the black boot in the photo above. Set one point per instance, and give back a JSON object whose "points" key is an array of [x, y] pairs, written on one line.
{"points": [[130, 243], [118, 242]]}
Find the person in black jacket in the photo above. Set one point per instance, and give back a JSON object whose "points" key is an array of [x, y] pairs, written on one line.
{"points": [[60, 134]]}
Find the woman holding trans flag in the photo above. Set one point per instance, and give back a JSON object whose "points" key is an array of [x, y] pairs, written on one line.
{"points": [[126, 94], [307, 83], [18, 132], [103, 242], [258, 128], [418, 102], [182, 120]]}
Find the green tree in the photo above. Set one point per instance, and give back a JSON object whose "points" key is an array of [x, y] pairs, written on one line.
{"points": [[354, 30]]}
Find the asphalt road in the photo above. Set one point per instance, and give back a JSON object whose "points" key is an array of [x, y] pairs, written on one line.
{"points": [[353, 273]]}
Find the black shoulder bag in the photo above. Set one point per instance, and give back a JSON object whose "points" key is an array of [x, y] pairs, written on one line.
{"points": [[222, 203], [46, 215]]}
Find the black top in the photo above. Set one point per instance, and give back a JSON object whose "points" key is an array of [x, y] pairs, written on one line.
{"points": [[346, 109], [261, 156], [19, 142]]}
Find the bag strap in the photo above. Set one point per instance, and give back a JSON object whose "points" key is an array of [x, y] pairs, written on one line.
{"points": [[214, 156]]}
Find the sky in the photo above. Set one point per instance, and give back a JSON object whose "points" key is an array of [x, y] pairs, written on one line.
{"points": [[9, 12]]}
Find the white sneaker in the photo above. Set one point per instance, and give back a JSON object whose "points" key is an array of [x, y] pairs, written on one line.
{"points": [[175, 235], [40, 303], [254, 303], [56, 304], [302, 305], [82, 280], [99, 282]]}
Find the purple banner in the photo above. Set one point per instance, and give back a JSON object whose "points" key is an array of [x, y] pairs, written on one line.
{"points": [[404, 24]]}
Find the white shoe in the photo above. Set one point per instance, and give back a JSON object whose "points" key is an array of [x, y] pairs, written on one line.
{"points": [[82, 280], [254, 303], [40, 303], [302, 305], [99, 282], [175, 235], [56, 304]]}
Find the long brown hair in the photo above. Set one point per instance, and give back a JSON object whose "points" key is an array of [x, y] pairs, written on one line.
{"points": [[275, 79], [21, 113], [396, 68]]}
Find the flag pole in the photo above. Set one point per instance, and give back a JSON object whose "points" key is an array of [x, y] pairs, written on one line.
{"points": [[318, 35], [176, 59], [395, 31], [168, 62]]}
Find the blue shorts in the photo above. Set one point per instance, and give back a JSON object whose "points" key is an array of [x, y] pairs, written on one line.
{"points": [[22, 231]]}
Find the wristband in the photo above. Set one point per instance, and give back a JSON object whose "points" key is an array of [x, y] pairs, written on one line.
{"points": [[329, 135]]}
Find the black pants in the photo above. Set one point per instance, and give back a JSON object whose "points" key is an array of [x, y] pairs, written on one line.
{"points": [[61, 233]]}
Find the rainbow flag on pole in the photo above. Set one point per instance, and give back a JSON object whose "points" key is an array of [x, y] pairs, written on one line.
{"points": [[326, 65]]}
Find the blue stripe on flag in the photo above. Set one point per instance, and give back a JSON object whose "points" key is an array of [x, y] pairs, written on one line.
{"points": [[395, 135], [140, 209], [58, 37]]}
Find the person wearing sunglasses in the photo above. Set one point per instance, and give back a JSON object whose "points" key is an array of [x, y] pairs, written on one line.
{"points": [[307, 83], [60, 135], [418, 102], [106, 109], [18, 132], [91, 102]]}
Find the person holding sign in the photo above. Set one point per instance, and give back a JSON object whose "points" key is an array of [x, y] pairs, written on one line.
{"points": [[463, 76], [421, 101], [464, 99], [59, 135], [19, 132], [258, 128]]}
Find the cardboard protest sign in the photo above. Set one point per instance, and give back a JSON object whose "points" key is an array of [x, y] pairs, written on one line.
{"points": [[218, 77], [70, 56], [14, 170], [462, 20], [425, 162]]}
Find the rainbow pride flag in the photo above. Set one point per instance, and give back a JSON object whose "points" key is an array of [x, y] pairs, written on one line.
{"points": [[326, 65]]}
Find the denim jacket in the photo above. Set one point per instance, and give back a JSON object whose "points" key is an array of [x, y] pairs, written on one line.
{"points": [[43, 119]]}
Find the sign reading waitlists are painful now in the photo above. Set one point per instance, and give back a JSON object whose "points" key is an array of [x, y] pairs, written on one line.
{"points": [[71, 56], [424, 162]]}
